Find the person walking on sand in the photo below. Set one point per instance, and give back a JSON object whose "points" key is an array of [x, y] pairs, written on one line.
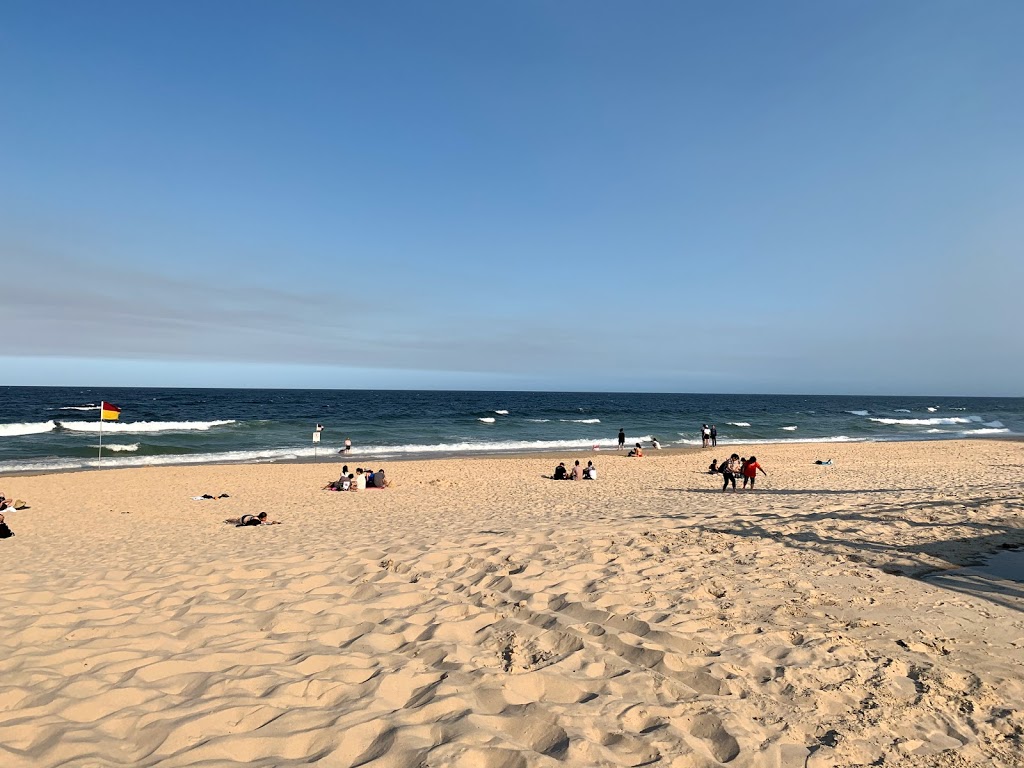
{"points": [[714, 436], [750, 472], [729, 469], [622, 439]]}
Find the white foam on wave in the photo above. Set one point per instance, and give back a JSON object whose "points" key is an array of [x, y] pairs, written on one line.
{"points": [[118, 447], [998, 424], [932, 409], [539, 421], [932, 422], [780, 440], [788, 429], [901, 410], [487, 419], [27, 428], [143, 426], [937, 431], [739, 423], [858, 413], [581, 421], [502, 413], [226, 457], [89, 407], [985, 431]]}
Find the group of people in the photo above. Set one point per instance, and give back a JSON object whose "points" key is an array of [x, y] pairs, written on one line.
{"points": [[359, 480], [637, 449], [708, 435], [578, 472], [734, 467]]}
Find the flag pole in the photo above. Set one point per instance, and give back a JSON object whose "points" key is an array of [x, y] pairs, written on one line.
{"points": [[99, 457]]}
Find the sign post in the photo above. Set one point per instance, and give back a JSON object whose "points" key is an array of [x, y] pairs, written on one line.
{"points": [[316, 440]]}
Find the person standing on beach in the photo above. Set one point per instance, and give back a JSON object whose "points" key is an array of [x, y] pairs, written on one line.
{"points": [[348, 444], [705, 435], [714, 435], [750, 472], [729, 469], [622, 439]]}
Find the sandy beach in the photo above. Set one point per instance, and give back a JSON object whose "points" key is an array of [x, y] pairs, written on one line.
{"points": [[476, 614]]}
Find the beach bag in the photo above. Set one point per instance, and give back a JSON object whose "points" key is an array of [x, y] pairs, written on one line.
{"points": [[5, 531]]}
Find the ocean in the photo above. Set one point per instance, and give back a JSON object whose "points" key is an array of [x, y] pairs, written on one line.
{"points": [[57, 428]]}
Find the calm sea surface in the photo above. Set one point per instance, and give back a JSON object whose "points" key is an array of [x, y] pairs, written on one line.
{"points": [[47, 428]]}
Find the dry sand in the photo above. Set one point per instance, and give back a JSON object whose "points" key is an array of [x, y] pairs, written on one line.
{"points": [[478, 615]]}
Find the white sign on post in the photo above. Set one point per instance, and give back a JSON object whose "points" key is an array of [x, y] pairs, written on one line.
{"points": [[316, 437]]}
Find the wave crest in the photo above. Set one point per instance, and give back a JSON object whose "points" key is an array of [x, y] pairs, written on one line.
{"points": [[932, 422], [27, 428], [143, 426]]}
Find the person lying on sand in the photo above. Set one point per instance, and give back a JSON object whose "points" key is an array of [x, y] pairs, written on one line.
{"points": [[824, 463], [6, 503], [5, 531], [260, 519]]}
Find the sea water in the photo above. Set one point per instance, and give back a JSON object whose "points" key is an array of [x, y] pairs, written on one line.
{"points": [[52, 428]]}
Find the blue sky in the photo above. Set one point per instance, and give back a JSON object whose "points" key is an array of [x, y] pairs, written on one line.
{"points": [[668, 196]]}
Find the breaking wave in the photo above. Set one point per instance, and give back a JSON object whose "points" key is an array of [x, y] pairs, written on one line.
{"points": [[502, 413], [581, 421], [932, 422], [739, 423], [27, 428], [143, 426], [89, 407], [487, 419], [119, 447], [858, 413]]}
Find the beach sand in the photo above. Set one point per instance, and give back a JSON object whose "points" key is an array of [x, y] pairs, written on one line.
{"points": [[477, 615]]}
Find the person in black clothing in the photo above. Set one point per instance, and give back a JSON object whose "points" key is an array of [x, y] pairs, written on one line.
{"points": [[714, 435], [729, 469], [622, 439], [560, 473]]}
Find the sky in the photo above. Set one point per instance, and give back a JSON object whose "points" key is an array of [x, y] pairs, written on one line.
{"points": [[797, 197]]}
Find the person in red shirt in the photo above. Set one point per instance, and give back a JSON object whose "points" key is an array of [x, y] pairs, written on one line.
{"points": [[750, 471]]}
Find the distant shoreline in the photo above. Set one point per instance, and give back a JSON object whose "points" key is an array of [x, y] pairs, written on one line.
{"points": [[356, 460]]}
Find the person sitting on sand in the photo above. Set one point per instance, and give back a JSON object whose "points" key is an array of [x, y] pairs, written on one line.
{"points": [[379, 481], [5, 530], [244, 520], [577, 471], [590, 473], [560, 472], [750, 471], [713, 467], [655, 444], [729, 469], [360, 480], [637, 451]]}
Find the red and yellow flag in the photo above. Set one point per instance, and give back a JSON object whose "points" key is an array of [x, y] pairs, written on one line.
{"points": [[109, 411]]}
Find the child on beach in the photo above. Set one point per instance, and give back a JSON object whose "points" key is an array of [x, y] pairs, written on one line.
{"points": [[246, 520]]}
